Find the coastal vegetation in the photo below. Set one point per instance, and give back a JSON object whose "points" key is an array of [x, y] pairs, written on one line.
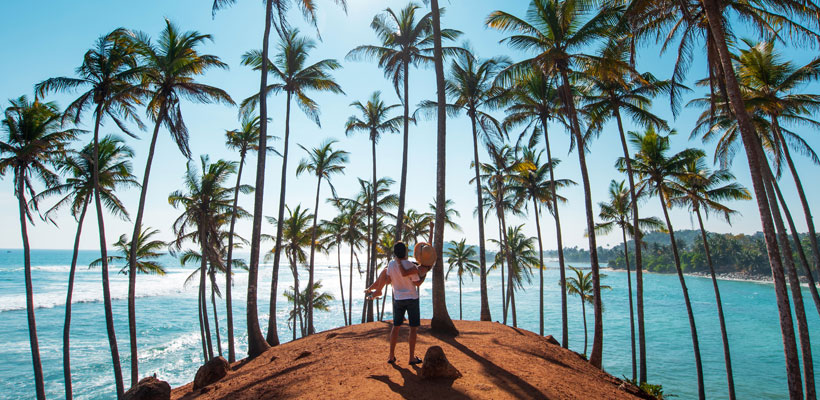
{"points": [[578, 73]]}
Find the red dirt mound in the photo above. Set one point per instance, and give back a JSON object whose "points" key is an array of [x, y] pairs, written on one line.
{"points": [[496, 362]]}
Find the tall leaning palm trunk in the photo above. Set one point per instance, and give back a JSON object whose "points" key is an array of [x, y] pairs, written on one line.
{"points": [[800, 193], [32, 325], [482, 247], [228, 277], [558, 238], [723, 335], [688, 303], [794, 285], [631, 308], [371, 263], [716, 20], [109, 314], [272, 336], [798, 246], [441, 321], [69, 294], [595, 357], [636, 235], [257, 343]]}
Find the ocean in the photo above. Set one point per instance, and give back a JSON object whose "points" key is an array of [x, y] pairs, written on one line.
{"points": [[169, 341]]}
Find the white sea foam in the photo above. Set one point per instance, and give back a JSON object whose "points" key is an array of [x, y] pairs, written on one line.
{"points": [[87, 289]]}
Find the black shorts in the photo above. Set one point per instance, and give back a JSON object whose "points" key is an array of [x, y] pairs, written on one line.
{"points": [[411, 307]]}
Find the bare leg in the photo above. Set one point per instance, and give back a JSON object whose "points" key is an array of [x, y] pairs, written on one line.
{"points": [[412, 341], [394, 337]]}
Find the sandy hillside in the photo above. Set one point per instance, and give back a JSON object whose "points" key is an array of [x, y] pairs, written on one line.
{"points": [[496, 361]]}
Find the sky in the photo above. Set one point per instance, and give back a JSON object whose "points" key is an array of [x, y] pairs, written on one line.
{"points": [[48, 39]]}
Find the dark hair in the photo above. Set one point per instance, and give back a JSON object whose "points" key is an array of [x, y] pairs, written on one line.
{"points": [[400, 250]]}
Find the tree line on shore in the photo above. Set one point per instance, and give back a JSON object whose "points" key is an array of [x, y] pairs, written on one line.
{"points": [[581, 76]]}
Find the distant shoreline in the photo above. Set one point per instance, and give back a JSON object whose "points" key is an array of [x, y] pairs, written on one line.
{"points": [[726, 276]]}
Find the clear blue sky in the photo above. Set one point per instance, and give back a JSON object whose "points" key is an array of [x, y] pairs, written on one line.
{"points": [[47, 39]]}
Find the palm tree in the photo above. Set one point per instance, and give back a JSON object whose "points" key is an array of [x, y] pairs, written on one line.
{"points": [[519, 268], [404, 41], [469, 86], [320, 302], [724, 122], [334, 236], [703, 189], [374, 121], [618, 212], [531, 183], [558, 30], [441, 321], [205, 203], [170, 66], [323, 162], [148, 251], [790, 15], [33, 143], [581, 286], [296, 79], [462, 257], [297, 236], [110, 72], [534, 101], [613, 86], [257, 343], [655, 170], [242, 140], [76, 191], [769, 84], [497, 174], [416, 224]]}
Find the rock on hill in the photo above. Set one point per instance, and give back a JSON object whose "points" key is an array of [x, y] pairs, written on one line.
{"points": [[496, 361]]}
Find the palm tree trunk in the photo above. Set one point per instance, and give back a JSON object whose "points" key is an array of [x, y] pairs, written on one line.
{"points": [[689, 312], [69, 393], [794, 285], [584, 317], [228, 301], [460, 312], [631, 313], [595, 357], [482, 251], [32, 325], [203, 268], [350, 288], [559, 240], [403, 184], [801, 194], [272, 336], [726, 354], [637, 238], [799, 247], [384, 301], [201, 327], [540, 270], [751, 143], [109, 315], [341, 284], [441, 321], [296, 303], [503, 280], [367, 281], [374, 197], [216, 316], [132, 253], [257, 344], [508, 254], [309, 311]]}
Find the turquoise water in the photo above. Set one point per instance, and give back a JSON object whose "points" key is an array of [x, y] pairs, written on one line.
{"points": [[169, 333]]}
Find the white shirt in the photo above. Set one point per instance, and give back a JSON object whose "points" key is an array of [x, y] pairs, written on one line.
{"points": [[403, 287]]}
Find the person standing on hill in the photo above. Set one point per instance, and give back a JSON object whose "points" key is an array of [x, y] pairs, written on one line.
{"points": [[406, 277]]}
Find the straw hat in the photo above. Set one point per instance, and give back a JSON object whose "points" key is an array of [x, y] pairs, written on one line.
{"points": [[424, 254]]}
